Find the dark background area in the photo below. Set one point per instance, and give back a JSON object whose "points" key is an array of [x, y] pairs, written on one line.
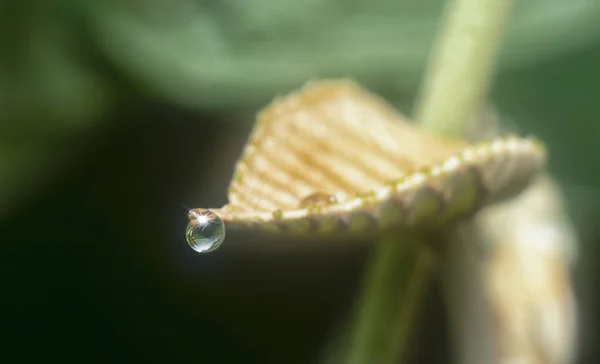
{"points": [[97, 267], [93, 262]]}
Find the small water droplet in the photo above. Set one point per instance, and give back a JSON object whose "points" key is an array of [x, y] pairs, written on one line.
{"points": [[318, 199], [205, 232]]}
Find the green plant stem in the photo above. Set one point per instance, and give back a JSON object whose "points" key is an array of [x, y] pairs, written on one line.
{"points": [[456, 84], [461, 65], [396, 277]]}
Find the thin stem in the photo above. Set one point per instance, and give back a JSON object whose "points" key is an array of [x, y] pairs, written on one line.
{"points": [[395, 280], [462, 63], [471, 337], [456, 84]]}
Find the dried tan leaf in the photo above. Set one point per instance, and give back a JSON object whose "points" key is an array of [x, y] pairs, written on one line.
{"points": [[526, 276], [333, 157]]}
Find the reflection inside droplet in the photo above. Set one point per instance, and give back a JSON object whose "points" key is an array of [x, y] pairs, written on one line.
{"points": [[205, 232]]}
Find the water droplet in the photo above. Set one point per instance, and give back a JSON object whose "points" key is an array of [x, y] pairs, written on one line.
{"points": [[318, 199], [205, 232]]}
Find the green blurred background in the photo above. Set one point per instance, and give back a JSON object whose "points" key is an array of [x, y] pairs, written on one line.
{"points": [[115, 113]]}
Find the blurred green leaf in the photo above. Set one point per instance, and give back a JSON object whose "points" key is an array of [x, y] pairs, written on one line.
{"points": [[220, 54], [49, 97], [65, 64], [44, 81]]}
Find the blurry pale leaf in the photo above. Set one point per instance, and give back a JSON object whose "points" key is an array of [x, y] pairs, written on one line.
{"points": [[214, 54], [514, 303], [527, 276]]}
